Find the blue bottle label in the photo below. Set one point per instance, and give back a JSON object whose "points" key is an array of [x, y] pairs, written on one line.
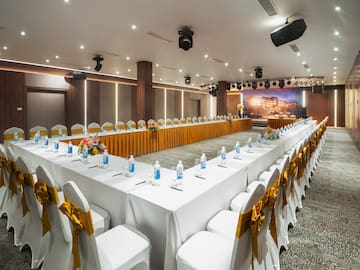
{"points": [[106, 160], [237, 149], [46, 142], [157, 174], [70, 149], [132, 167], [85, 153], [56, 146], [203, 164]]}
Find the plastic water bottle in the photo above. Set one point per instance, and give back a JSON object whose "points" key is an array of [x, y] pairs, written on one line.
{"points": [[36, 137], [249, 145], [46, 143], [203, 162], [16, 136], [223, 155], [259, 140], [179, 172], [237, 149], [85, 153], [56, 146], [156, 181], [131, 165], [70, 149], [106, 159]]}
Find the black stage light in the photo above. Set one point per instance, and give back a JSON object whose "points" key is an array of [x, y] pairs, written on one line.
{"points": [[187, 79], [185, 38], [238, 86], [98, 60], [254, 85], [274, 83], [288, 82], [244, 85], [261, 84], [258, 72], [281, 83], [249, 84], [267, 84]]}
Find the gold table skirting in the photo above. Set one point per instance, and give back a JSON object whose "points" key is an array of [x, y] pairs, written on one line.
{"points": [[143, 142], [279, 123]]}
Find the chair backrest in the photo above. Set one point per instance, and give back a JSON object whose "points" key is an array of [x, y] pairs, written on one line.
{"points": [[120, 125], [11, 176], [93, 127], [57, 128], [77, 129], [131, 124], [182, 120], [189, 120], [43, 131], [151, 121], [108, 126], [89, 257], [161, 122], [59, 255], [200, 119], [176, 121], [241, 256], [195, 119], [141, 124], [169, 122], [10, 132], [4, 172]]}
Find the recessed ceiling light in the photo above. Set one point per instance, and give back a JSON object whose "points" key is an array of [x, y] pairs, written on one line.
{"points": [[298, 54], [133, 27], [212, 78], [240, 70], [197, 74], [23, 33], [129, 70], [47, 61], [303, 62], [336, 49], [176, 82], [127, 58], [153, 74], [334, 77], [88, 67], [57, 57], [226, 64], [337, 8], [192, 84], [82, 47], [117, 72], [336, 33], [334, 81], [251, 74], [180, 70], [160, 79], [335, 67], [334, 72], [157, 65], [5, 48], [206, 56], [311, 75], [66, 1], [335, 59], [308, 70]]}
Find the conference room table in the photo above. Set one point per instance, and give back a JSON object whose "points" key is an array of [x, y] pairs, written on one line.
{"points": [[138, 142], [168, 214]]}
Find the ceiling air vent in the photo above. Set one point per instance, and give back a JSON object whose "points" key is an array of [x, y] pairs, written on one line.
{"points": [[268, 6], [294, 48], [157, 36]]}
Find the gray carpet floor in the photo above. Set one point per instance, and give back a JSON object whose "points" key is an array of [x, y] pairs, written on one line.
{"points": [[327, 234]]}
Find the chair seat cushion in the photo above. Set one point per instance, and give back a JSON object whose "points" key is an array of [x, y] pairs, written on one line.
{"points": [[224, 223], [100, 218], [205, 251]]}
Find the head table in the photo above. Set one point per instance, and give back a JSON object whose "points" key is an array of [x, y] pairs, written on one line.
{"points": [[167, 215]]}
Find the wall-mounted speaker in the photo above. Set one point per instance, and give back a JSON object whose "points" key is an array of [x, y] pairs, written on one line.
{"points": [[289, 32], [78, 75]]}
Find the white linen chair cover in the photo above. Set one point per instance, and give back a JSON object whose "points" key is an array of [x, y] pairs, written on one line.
{"points": [[55, 130], [32, 235], [299, 185], [12, 204], [120, 125], [194, 119], [108, 126], [161, 122], [59, 253], [77, 129], [151, 122], [10, 132], [182, 121], [93, 127], [189, 120], [176, 121], [42, 130], [169, 122], [131, 124], [205, 119], [141, 124], [220, 249], [200, 119], [122, 247], [4, 188]]}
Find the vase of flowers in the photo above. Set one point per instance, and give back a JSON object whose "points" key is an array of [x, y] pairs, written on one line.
{"points": [[153, 126], [93, 144], [270, 133], [229, 117]]}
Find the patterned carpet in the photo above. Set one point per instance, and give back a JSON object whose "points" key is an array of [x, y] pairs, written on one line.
{"points": [[327, 233]]}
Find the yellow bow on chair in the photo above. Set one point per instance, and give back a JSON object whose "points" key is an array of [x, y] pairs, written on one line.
{"points": [[81, 221], [257, 219], [24, 179], [45, 195], [285, 183], [12, 170], [2, 168], [273, 194]]}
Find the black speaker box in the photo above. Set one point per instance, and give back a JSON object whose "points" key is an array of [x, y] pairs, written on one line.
{"points": [[289, 32], [79, 75]]}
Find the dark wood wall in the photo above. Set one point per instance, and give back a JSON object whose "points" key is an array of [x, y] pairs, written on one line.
{"points": [[12, 100]]}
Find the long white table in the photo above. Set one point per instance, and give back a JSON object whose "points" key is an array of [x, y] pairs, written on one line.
{"points": [[166, 215]]}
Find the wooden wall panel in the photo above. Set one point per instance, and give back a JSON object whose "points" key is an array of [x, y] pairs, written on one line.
{"points": [[75, 102], [93, 102], [221, 104], [232, 101], [12, 96]]}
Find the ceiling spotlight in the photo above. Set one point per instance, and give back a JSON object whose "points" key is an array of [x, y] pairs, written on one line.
{"points": [[303, 62], [288, 82], [258, 72], [57, 57], [197, 74], [212, 78], [180, 70], [336, 33], [185, 38], [337, 8], [117, 72], [267, 84], [249, 85], [160, 79], [156, 65], [335, 67], [127, 58], [335, 59], [98, 60], [308, 70], [153, 74], [226, 64], [240, 70], [336, 49], [254, 85], [334, 72], [66, 1], [23, 33], [187, 79], [47, 61], [251, 74], [281, 83], [82, 47], [298, 54], [176, 82], [5, 48], [133, 27], [311, 74], [274, 83], [206, 56]]}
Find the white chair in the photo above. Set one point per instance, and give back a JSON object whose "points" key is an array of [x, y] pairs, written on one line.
{"points": [[59, 130], [182, 121], [189, 120], [131, 124], [151, 122], [122, 247], [108, 126], [169, 122], [77, 129], [200, 119], [9, 134], [42, 130], [161, 122], [32, 236], [195, 119], [208, 250], [291, 203], [3, 180], [176, 121], [120, 126], [141, 124], [93, 127]]}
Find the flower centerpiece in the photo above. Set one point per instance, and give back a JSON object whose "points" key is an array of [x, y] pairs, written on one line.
{"points": [[153, 126], [270, 133], [229, 117], [93, 144]]}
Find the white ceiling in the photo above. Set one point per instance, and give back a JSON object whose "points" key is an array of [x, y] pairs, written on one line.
{"points": [[233, 31]]}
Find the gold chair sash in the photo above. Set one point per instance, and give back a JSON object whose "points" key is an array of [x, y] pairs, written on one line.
{"points": [[12, 170], [24, 179], [10, 136], [285, 183], [76, 131], [273, 194], [108, 128], [45, 195], [2, 168], [81, 221], [55, 132], [94, 130]]}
